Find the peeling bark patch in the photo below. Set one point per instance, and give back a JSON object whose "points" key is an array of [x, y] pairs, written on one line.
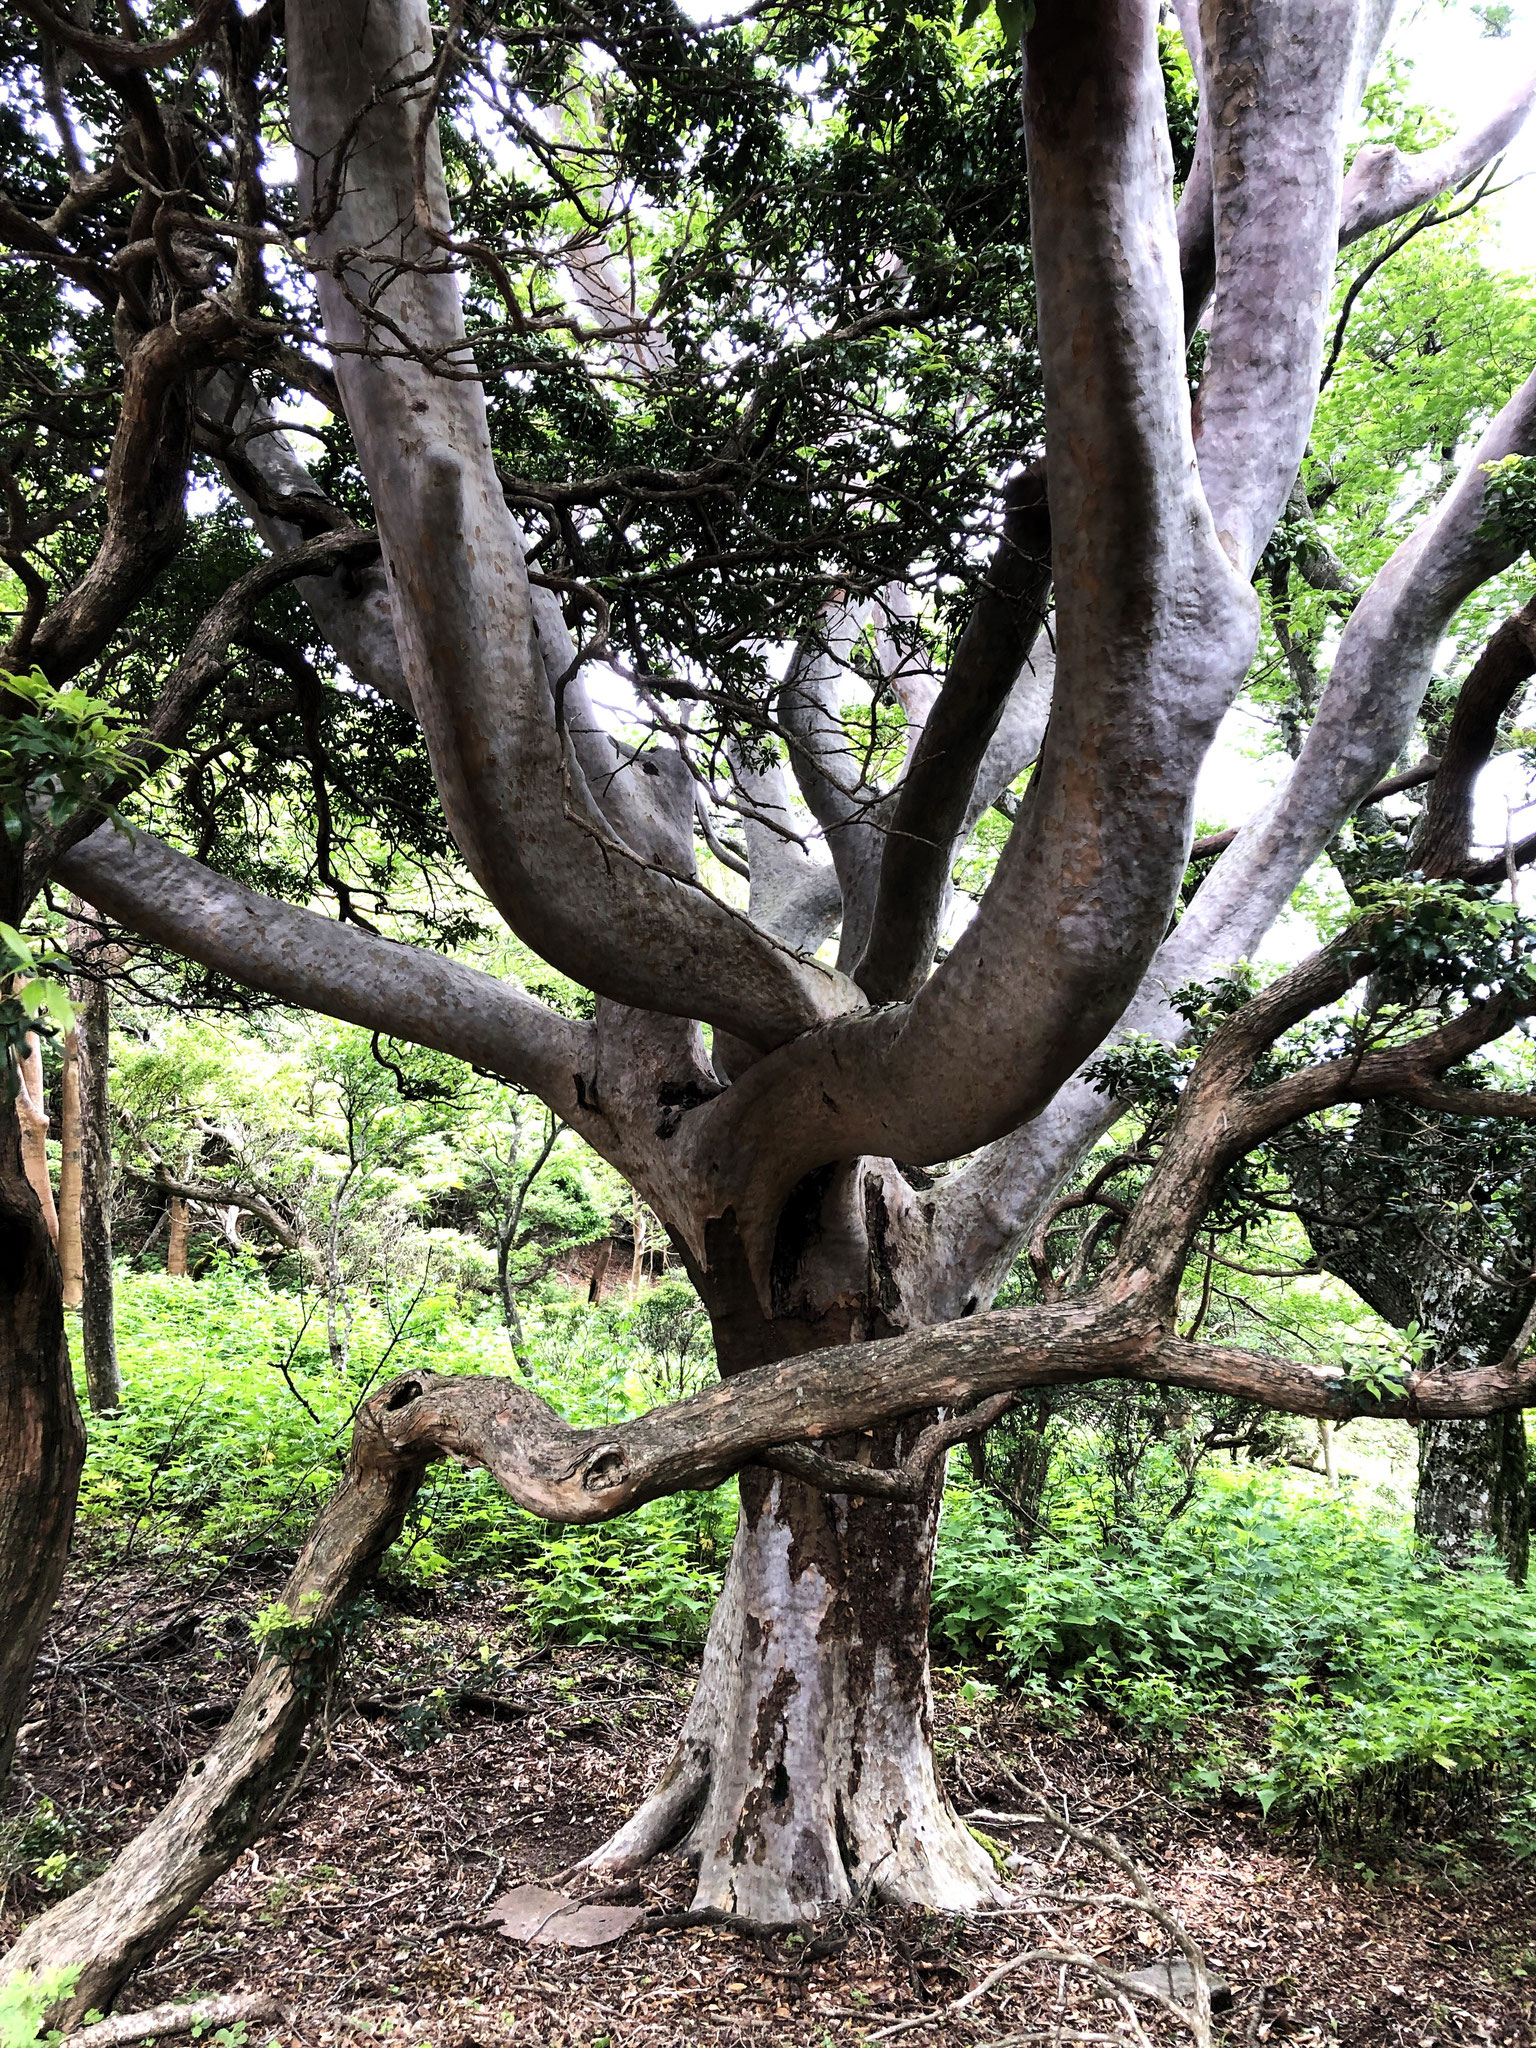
{"points": [[884, 1288]]}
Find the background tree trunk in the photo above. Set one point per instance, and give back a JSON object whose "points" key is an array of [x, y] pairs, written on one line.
{"points": [[70, 1171], [42, 1438], [1423, 1264], [176, 1242], [1474, 1490], [32, 1111], [600, 1270], [98, 1321]]}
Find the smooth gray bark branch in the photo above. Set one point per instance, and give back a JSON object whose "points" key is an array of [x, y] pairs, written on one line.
{"points": [[1385, 182], [529, 828], [315, 963]]}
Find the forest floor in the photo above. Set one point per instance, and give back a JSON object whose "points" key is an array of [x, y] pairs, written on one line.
{"points": [[363, 1908]]}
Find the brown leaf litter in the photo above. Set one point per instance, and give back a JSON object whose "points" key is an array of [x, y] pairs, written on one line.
{"points": [[459, 1765]]}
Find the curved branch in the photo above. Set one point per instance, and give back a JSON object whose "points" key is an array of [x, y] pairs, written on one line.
{"points": [[145, 489], [1380, 673], [789, 893], [910, 1480], [212, 1196], [274, 484], [311, 961], [1443, 842], [114, 53], [1384, 183], [827, 772], [1391, 785], [530, 827]]}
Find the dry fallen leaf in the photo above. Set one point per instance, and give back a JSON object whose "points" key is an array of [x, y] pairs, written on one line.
{"points": [[544, 1918]]}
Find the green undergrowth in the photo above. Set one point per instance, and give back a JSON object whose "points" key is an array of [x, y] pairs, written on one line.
{"points": [[1297, 1648], [1274, 1642], [236, 1428]]}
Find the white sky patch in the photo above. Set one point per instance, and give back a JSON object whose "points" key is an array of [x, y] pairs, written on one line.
{"points": [[1469, 74]]}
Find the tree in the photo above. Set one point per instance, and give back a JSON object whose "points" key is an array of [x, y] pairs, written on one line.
{"points": [[839, 393]]}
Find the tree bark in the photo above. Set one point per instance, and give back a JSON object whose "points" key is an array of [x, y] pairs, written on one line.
{"points": [[42, 1439], [1474, 1490], [176, 1244], [804, 1775], [70, 1175], [32, 1111], [98, 1320]]}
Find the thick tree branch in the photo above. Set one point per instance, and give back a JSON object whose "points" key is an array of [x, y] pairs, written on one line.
{"points": [[351, 607], [1443, 841], [1384, 183], [850, 811], [933, 804], [301, 958], [114, 53], [145, 490], [1380, 673], [512, 787], [789, 893], [1391, 785], [214, 1196], [1280, 83]]}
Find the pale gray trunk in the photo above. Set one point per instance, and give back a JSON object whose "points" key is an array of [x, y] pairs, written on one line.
{"points": [[804, 1776]]}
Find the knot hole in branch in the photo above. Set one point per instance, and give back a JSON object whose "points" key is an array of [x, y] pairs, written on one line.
{"points": [[603, 1470], [403, 1395]]}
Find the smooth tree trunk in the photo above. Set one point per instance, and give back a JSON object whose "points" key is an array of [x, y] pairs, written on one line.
{"points": [[176, 1241], [1474, 1490], [32, 1110], [98, 1318], [71, 1142], [42, 1438], [804, 1776]]}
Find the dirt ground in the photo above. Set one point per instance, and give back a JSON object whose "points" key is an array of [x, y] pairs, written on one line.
{"points": [[363, 1907]]}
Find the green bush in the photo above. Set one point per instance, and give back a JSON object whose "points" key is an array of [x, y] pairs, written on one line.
{"points": [[1393, 1691], [236, 1429]]}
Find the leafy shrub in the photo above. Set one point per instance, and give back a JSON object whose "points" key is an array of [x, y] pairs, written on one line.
{"points": [[639, 1581], [236, 1428], [1394, 1692], [25, 2002]]}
